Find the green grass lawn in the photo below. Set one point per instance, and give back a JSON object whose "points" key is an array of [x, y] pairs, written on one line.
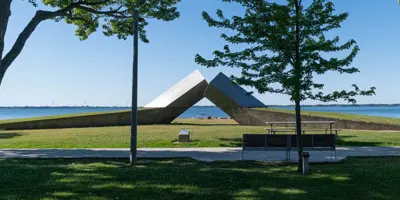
{"points": [[204, 133], [355, 178]]}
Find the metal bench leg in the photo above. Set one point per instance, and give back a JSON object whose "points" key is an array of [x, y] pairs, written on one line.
{"points": [[331, 155], [286, 156], [335, 155]]}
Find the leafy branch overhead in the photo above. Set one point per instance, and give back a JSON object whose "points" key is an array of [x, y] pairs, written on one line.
{"points": [[268, 32], [115, 16]]}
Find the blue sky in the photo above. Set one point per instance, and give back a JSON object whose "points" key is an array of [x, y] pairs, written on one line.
{"points": [[56, 68]]}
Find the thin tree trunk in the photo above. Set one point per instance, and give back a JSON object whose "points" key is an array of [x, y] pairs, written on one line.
{"points": [[298, 133], [297, 70]]}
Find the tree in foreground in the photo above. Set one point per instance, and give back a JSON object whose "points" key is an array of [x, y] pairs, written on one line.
{"points": [[114, 16], [285, 46]]}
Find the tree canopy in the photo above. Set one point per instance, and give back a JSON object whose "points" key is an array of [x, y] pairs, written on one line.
{"points": [[286, 45], [269, 30], [115, 17]]}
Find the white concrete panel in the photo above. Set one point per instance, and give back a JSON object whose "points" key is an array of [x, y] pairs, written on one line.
{"points": [[178, 90]]}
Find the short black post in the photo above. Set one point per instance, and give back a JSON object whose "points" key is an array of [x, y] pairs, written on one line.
{"points": [[306, 165]]}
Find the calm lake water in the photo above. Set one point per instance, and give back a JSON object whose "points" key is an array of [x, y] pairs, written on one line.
{"points": [[17, 112]]}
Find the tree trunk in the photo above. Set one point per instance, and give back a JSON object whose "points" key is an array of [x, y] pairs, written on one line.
{"points": [[297, 70], [298, 133]]}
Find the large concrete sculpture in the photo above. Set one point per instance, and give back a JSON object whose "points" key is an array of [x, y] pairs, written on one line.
{"points": [[226, 94], [176, 100], [230, 97]]}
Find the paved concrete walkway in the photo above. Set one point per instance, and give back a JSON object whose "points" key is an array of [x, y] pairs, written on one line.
{"points": [[204, 154]]}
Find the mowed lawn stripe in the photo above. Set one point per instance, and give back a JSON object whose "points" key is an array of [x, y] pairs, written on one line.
{"points": [[202, 135]]}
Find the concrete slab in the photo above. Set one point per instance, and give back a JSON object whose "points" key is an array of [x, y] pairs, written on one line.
{"points": [[175, 100], [203, 154], [180, 90], [224, 93]]}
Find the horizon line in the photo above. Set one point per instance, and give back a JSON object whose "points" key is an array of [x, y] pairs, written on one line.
{"points": [[272, 105]]}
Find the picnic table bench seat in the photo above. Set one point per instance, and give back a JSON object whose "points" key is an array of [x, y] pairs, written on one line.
{"points": [[326, 130]]}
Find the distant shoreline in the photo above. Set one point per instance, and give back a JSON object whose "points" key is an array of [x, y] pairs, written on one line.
{"points": [[316, 105]]}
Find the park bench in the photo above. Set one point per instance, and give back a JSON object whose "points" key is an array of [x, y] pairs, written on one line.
{"points": [[286, 130], [274, 130], [287, 143]]}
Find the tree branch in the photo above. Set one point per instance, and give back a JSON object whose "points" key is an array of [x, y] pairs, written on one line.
{"points": [[112, 13], [44, 15], [91, 3], [26, 33]]}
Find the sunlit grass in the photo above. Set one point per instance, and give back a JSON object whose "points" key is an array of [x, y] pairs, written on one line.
{"points": [[204, 133]]}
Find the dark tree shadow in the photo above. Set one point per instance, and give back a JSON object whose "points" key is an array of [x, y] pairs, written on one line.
{"points": [[184, 178], [340, 141], [233, 142], [8, 135]]}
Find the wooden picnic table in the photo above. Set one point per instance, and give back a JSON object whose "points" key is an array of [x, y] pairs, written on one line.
{"points": [[303, 122]]}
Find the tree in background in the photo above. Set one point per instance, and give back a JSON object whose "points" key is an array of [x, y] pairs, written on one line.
{"points": [[114, 16], [285, 46]]}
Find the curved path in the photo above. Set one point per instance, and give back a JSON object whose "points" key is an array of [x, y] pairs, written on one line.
{"points": [[203, 154]]}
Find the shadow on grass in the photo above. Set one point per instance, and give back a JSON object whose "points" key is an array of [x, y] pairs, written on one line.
{"points": [[233, 142], [192, 124], [8, 135], [189, 179], [341, 141], [191, 141]]}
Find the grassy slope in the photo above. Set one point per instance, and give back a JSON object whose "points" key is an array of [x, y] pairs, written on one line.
{"points": [[58, 116], [344, 116], [206, 133], [356, 178]]}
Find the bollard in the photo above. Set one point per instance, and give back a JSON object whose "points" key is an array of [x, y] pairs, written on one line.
{"points": [[306, 165]]}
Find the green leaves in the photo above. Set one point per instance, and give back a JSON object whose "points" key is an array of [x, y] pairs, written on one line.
{"points": [[33, 2], [115, 17], [268, 29]]}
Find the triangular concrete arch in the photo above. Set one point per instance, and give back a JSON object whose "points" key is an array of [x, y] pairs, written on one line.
{"points": [[225, 94]]}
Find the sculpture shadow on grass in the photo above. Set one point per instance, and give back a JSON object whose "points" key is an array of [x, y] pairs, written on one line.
{"points": [[9, 135]]}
